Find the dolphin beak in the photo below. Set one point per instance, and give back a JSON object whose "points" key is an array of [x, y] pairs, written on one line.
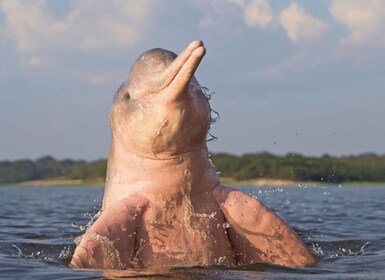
{"points": [[182, 69]]}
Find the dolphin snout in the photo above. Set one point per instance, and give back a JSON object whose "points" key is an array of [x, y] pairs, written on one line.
{"points": [[182, 69]]}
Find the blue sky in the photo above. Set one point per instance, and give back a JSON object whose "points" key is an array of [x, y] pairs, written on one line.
{"points": [[289, 76]]}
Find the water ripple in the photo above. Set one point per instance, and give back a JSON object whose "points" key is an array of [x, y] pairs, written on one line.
{"points": [[342, 226]]}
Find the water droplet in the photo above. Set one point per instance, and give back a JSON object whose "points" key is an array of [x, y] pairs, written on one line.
{"points": [[226, 225]]}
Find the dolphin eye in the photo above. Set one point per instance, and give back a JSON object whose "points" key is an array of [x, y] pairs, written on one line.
{"points": [[126, 95]]}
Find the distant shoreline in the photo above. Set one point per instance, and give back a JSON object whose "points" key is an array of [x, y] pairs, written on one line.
{"points": [[55, 182], [258, 169], [258, 182], [225, 181]]}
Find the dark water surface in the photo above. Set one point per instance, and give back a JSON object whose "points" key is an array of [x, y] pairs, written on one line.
{"points": [[344, 226]]}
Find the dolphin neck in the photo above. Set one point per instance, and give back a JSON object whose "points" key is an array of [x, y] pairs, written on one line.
{"points": [[128, 173]]}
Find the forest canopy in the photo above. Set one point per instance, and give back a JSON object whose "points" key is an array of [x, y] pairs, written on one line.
{"points": [[296, 167]]}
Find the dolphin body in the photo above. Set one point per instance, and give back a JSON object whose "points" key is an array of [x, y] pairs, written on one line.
{"points": [[163, 204]]}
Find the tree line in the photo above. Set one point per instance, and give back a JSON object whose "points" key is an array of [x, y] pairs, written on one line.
{"points": [[361, 168], [365, 167], [47, 168]]}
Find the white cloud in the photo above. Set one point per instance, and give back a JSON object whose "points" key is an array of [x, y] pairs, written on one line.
{"points": [[257, 13], [364, 19], [25, 22], [89, 25], [299, 25], [217, 14]]}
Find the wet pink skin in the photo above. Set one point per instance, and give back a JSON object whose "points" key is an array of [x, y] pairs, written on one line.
{"points": [[163, 204]]}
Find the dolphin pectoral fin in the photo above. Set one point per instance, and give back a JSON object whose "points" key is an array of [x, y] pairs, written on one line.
{"points": [[110, 242], [182, 69], [257, 234]]}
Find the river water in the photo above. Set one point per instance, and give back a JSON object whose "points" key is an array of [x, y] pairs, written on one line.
{"points": [[343, 226]]}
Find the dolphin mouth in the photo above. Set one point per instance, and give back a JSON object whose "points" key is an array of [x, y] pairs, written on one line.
{"points": [[158, 70], [182, 69]]}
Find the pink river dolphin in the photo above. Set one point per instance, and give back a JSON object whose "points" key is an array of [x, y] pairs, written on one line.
{"points": [[164, 205]]}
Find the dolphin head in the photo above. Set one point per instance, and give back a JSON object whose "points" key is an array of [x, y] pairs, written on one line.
{"points": [[161, 109]]}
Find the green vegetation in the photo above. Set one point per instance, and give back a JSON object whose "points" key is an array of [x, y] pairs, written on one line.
{"points": [[47, 168], [296, 167]]}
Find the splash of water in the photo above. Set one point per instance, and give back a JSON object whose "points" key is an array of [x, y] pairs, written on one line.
{"points": [[41, 254], [214, 115], [113, 259]]}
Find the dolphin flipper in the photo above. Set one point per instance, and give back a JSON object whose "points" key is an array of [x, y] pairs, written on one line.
{"points": [[257, 234], [110, 242]]}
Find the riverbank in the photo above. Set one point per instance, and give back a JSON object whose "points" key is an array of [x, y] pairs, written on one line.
{"points": [[53, 182], [225, 181], [260, 182]]}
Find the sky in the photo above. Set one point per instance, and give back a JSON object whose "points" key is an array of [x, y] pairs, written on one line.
{"points": [[289, 76]]}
